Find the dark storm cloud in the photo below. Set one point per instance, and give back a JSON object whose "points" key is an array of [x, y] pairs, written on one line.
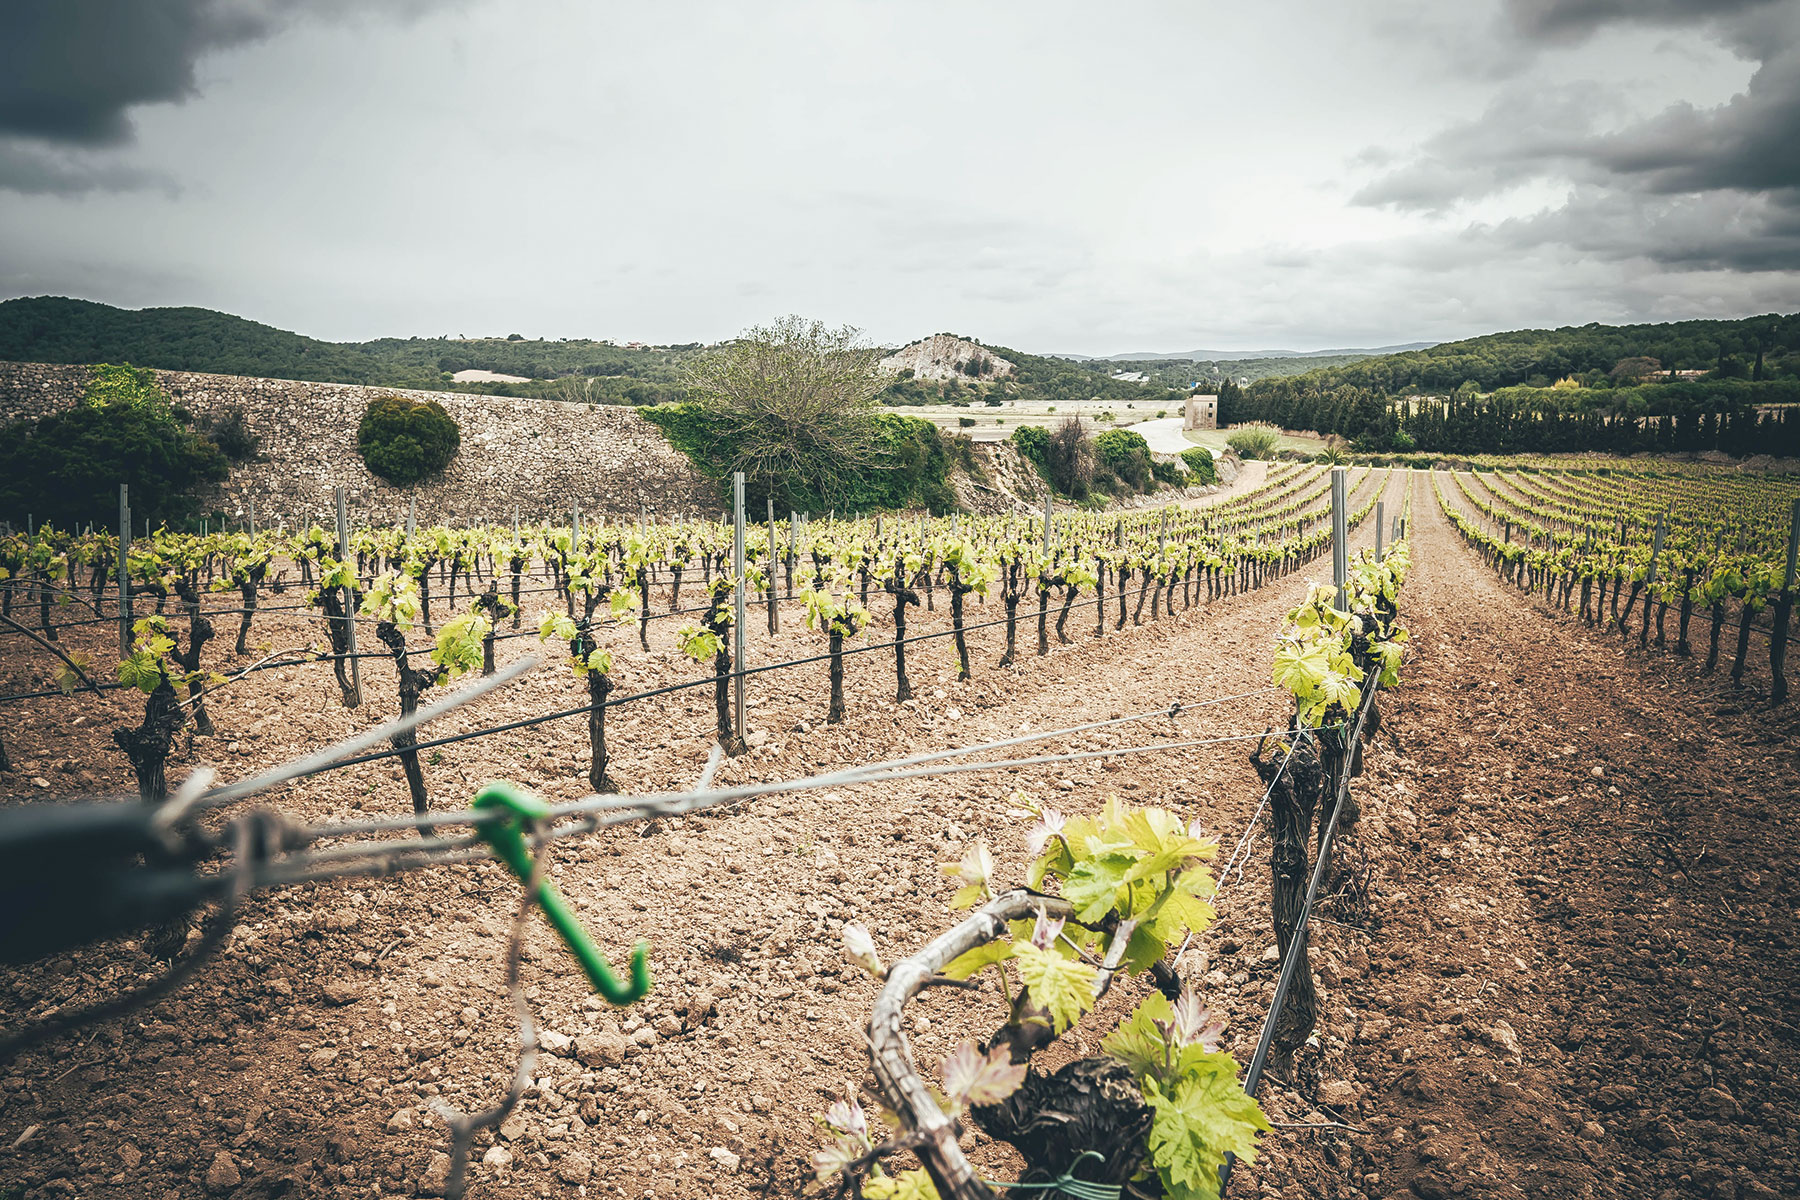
{"points": [[1522, 133], [1572, 20], [70, 70], [1690, 187], [1712, 231], [36, 169]]}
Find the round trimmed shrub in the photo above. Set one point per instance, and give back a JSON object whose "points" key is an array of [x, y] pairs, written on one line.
{"points": [[404, 441]]}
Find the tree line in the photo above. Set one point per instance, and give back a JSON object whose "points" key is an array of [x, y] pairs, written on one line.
{"points": [[1753, 348]]}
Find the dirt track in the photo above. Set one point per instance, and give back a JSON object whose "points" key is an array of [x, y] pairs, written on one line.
{"points": [[1639, 945]]}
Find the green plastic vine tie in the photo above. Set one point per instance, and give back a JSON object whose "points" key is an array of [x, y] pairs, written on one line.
{"points": [[507, 840], [1066, 1184]]}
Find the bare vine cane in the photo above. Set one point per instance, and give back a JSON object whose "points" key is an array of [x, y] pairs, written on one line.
{"points": [[464, 1126], [897, 1075], [253, 837]]}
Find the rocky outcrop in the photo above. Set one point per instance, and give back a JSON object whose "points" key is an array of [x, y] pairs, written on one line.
{"points": [[944, 356]]}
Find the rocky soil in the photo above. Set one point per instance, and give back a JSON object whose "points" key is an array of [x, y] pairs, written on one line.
{"points": [[1570, 973]]}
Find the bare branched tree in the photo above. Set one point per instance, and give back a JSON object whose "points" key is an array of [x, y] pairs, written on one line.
{"points": [[1070, 458], [794, 402]]}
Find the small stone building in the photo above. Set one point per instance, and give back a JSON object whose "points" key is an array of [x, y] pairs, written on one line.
{"points": [[1202, 412]]}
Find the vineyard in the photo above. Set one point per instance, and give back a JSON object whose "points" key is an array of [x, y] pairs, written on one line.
{"points": [[755, 774], [1719, 548]]}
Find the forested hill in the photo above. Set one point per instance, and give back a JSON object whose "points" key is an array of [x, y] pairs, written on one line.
{"points": [[1540, 357], [57, 330], [54, 329]]}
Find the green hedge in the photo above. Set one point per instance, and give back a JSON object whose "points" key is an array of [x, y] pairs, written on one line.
{"points": [[910, 471]]}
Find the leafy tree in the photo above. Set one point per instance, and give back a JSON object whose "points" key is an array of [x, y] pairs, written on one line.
{"points": [[404, 441], [66, 468], [795, 401], [1231, 399], [1634, 368]]}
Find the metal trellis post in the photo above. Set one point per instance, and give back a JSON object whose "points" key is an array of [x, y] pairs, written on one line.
{"points": [[737, 602], [1380, 519]]}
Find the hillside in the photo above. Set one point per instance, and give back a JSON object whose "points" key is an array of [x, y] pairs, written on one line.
{"points": [[1183, 373], [1233, 356], [54, 329], [1750, 348]]}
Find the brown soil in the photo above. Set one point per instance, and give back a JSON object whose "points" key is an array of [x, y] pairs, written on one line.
{"points": [[1638, 944]]}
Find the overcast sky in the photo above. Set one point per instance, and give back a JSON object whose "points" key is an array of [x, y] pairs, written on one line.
{"points": [[1056, 176]]}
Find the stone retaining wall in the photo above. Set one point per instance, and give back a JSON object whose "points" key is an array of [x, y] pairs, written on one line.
{"points": [[539, 456]]}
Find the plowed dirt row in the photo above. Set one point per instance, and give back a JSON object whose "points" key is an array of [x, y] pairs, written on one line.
{"points": [[1588, 972], [1555, 989]]}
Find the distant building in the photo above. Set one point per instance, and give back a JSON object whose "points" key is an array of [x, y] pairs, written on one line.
{"points": [[1202, 412]]}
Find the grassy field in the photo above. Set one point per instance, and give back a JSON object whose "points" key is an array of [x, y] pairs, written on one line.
{"points": [[1214, 440]]}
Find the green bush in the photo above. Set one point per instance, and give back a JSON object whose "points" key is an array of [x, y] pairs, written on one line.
{"points": [[1199, 461], [404, 441], [1033, 444], [1252, 443], [66, 468], [1125, 454], [909, 468], [965, 422], [1169, 471]]}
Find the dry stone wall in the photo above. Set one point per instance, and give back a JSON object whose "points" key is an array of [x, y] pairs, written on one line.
{"points": [[540, 456]]}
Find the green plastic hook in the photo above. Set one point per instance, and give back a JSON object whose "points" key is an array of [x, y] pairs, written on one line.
{"points": [[507, 840]]}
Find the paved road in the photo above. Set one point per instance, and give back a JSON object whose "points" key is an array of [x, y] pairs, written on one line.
{"points": [[1163, 434]]}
